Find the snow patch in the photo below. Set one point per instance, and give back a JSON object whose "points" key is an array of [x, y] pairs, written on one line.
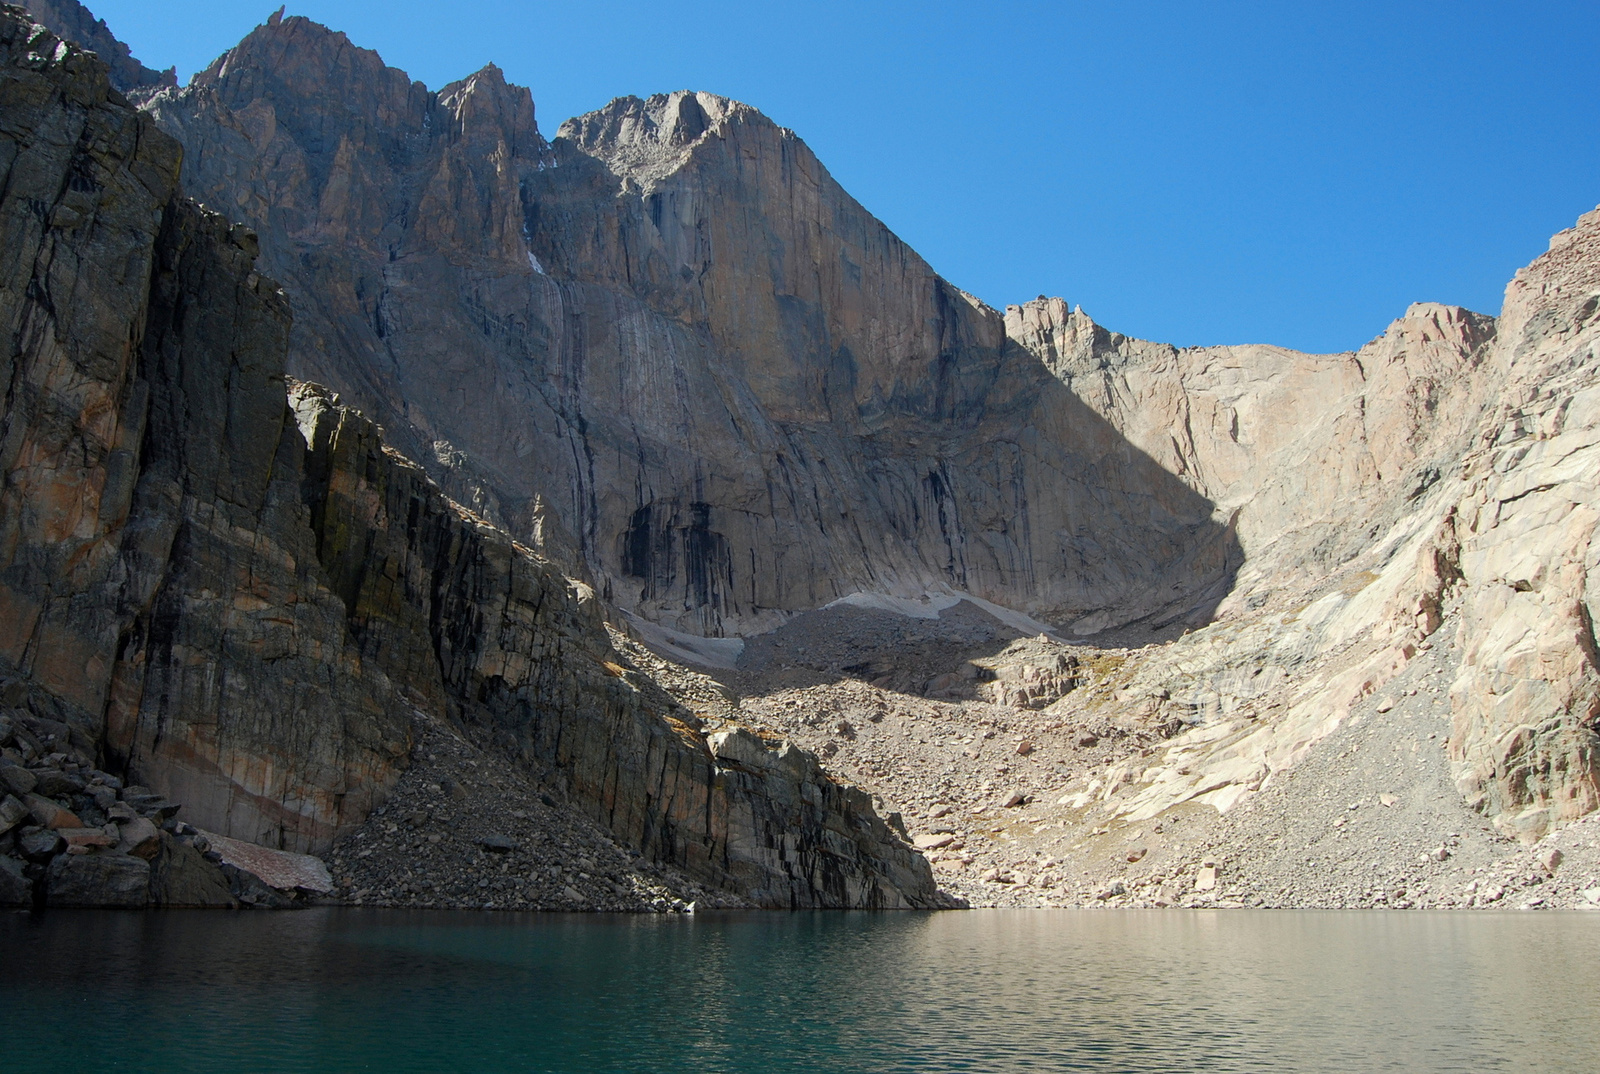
{"points": [[720, 653], [930, 605], [1014, 619]]}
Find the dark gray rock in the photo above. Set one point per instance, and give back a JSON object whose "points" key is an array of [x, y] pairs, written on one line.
{"points": [[54, 783], [108, 880], [251, 891], [498, 844], [77, 23], [17, 780], [15, 888], [41, 844], [12, 812], [181, 877]]}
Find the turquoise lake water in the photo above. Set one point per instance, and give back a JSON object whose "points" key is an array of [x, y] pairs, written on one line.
{"points": [[352, 990]]}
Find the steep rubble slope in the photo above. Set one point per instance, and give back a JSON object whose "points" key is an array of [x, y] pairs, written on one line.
{"points": [[242, 603], [1449, 464], [672, 352]]}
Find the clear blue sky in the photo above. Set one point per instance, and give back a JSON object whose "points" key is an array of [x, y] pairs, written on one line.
{"points": [[1226, 172]]}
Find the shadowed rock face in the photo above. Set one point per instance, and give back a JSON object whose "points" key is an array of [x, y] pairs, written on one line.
{"points": [[241, 602], [73, 22], [668, 349], [153, 567], [469, 623]]}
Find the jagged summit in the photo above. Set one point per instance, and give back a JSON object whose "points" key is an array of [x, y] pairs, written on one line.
{"points": [[645, 140]]}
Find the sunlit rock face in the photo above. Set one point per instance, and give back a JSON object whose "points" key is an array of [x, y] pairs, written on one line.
{"points": [[668, 349], [1444, 472]]}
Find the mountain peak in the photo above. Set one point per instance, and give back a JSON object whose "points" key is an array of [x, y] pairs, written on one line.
{"points": [[649, 138]]}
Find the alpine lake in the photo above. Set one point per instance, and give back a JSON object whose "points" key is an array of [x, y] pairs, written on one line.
{"points": [[1030, 990]]}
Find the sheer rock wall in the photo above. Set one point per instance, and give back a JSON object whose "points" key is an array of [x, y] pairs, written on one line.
{"points": [[670, 350], [243, 614]]}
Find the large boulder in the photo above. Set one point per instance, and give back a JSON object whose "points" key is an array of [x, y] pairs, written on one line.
{"points": [[180, 876], [109, 881]]}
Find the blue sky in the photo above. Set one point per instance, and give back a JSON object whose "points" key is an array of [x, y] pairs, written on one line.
{"points": [[1228, 172]]}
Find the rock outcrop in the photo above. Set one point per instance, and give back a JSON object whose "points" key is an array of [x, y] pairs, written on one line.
{"points": [[469, 623], [1445, 469], [667, 348], [1521, 545], [241, 603]]}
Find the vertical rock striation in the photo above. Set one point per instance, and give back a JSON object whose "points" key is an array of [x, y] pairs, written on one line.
{"points": [[1522, 543], [671, 350], [157, 578], [240, 602], [466, 621]]}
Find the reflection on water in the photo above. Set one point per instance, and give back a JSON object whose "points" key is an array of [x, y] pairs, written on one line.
{"points": [[345, 990]]}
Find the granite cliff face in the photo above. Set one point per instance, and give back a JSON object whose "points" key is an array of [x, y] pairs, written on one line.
{"points": [[1442, 472], [242, 602], [669, 350], [152, 570]]}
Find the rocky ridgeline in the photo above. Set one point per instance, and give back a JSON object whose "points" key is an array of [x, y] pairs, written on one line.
{"points": [[666, 348], [250, 605]]}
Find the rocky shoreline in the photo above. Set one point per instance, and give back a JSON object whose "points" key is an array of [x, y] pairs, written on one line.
{"points": [[72, 835], [464, 829]]}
